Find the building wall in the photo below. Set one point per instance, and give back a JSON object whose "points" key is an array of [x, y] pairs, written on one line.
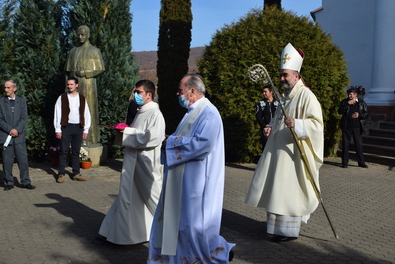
{"points": [[351, 26], [364, 30]]}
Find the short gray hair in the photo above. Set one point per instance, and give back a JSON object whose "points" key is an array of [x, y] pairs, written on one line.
{"points": [[195, 81], [11, 81]]}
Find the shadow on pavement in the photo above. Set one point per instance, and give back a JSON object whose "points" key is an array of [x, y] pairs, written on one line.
{"points": [[242, 167], [85, 227], [253, 245]]}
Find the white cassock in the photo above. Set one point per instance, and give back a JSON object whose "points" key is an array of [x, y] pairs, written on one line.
{"points": [[280, 183], [130, 217], [188, 217]]}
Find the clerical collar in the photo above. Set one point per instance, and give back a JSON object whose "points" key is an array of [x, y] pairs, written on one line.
{"points": [[143, 106], [9, 98]]}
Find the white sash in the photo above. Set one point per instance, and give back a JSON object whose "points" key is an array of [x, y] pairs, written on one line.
{"points": [[168, 222]]}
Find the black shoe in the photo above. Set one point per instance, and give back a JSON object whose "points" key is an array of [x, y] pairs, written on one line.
{"points": [[277, 238], [363, 166], [8, 187], [101, 239], [29, 186], [231, 255], [344, 166]]}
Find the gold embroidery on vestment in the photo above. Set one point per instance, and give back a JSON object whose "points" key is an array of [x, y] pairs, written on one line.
{"points": [[191, 260], [216, 251], [178, 153], [159, 258]]}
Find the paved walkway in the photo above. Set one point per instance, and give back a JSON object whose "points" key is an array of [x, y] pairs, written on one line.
{"points": [[58, 223]]}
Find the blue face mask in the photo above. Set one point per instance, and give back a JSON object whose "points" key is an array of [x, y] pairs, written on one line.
{"points": [[182, 101], [138, 99]]}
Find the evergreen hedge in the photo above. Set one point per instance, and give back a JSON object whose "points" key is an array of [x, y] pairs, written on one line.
{"points": [[32, 55], [260, 37]]}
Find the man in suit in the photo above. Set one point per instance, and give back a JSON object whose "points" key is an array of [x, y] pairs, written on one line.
{"points": [[13, 118]]}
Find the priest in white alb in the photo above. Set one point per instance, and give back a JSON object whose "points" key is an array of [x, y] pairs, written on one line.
{"points": [[188, 217], [130, 217], [280, 183]]}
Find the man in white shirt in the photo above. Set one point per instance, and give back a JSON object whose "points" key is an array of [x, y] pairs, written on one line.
{"points": [[72, 120]]}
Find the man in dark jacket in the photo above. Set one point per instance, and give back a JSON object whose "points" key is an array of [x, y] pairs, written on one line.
{"points": [[265, 111], [13, 119], [353, 110]]}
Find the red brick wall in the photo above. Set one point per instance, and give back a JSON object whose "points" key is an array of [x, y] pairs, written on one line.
{"points": [[387, 110]]}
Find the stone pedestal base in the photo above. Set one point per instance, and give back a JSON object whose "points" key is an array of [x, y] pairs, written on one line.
{"points": [[97, 153]]}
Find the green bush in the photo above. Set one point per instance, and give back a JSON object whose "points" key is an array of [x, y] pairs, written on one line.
{"points": [[260, 37]]}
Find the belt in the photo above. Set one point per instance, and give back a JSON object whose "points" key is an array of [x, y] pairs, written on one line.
{"points": [[69, 124]]}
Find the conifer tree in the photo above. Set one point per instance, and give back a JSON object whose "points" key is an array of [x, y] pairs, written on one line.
{"points": [[6, 28], [34, 63], [110, 31], [173, 53]]}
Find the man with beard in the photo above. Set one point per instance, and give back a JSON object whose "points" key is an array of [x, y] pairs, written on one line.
{"points": [[280, 183], [72, 120]]}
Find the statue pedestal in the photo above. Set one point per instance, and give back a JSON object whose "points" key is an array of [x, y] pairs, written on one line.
{"points": [[96, 153]]}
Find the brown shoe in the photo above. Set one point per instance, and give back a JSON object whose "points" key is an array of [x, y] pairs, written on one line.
{"points": [[60, 178], [78, 177]]}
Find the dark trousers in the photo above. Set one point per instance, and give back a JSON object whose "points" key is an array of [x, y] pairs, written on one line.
{"points": [[263, 140], [355, 133], [19, 151], [71, 134]]}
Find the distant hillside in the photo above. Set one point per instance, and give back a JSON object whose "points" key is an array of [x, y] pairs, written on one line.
{"points": [[147, 61]]}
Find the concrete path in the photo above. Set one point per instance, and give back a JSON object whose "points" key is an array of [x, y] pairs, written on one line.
{"points": [[58, 223]]}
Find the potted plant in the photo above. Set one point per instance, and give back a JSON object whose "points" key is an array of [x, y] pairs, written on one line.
{"points": [[85, 161]]}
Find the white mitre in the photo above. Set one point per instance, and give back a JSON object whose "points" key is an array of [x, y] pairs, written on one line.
{"points": [[291, 59]]}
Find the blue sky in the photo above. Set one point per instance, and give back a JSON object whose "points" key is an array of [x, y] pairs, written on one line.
{"points": [[208, 17]]}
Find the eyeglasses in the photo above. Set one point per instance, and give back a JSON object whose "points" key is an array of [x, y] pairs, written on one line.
{"points": [[180, 90]]}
